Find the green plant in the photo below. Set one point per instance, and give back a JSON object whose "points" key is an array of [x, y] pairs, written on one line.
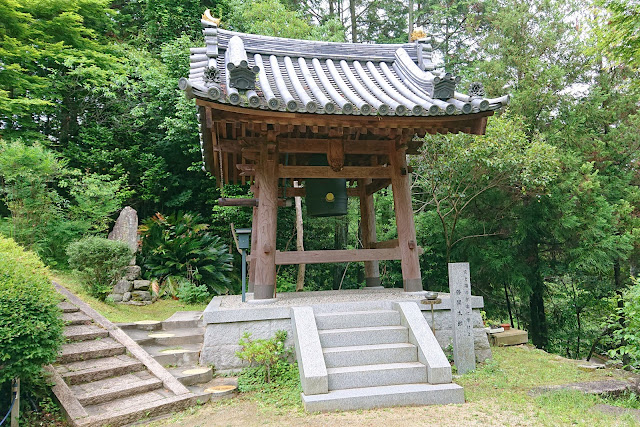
{"points": [[99, 263], [192, 293], [264, 353], [30, 321], [180, 245], [629, 334]]}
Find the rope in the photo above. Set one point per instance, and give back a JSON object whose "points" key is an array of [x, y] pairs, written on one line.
{"points": [[10, 409]]}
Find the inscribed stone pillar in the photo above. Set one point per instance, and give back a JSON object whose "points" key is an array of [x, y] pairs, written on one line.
{"points": [[401, 186], [368, 228], [463, 345], [126, 230]]}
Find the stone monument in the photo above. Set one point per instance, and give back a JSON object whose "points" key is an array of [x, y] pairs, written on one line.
{"points": [[129, 289], [463, 340]]}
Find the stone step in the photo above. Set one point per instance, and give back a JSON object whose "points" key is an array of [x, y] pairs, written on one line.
{"points": [[109, 389], [143, 325], [169, 338], [344, 307], [376, 375], [67, 307], [183, 355], [191, 375], [357, 319], [363, 336], [183, 319], [98, 369], [136, 408], [84, 332], [76, 318], [386, 396], [83, 350], [336, 357]]}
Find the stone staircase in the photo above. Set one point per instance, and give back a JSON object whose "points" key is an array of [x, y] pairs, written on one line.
{"points": [[370, 355], [176, 344], [102, 377]]}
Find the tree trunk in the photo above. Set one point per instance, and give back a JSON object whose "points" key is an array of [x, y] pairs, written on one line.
{"points": [[299, 238], [619, 287], [538, 324], [506, 295], [352, 13]]}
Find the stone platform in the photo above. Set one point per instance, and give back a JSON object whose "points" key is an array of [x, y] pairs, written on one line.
{"points": [[510, 337], [226, 318]]}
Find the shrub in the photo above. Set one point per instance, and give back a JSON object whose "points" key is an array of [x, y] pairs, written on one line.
{"points": [[99, 263], [264, 353], [192, 293], [629, 335], [30, 321], [180, 245]]}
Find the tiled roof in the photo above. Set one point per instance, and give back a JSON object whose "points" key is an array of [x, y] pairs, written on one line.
{"points": [[279, 74]]}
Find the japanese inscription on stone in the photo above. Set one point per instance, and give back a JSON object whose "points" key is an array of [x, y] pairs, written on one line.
{"points": [[460, 287]]}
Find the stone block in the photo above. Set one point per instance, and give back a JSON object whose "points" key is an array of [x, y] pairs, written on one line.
{"points": [[141, 296], [141, 285], [313, 371], [126, 296], [122, 286], [115, 297], [131, 272]]}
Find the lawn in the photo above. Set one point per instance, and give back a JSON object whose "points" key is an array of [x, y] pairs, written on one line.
{"points": [[498, 393], [124, 313]]}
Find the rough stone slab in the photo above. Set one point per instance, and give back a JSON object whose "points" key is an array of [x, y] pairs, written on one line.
{"points": [[115, 297], [618, 411], [376, 375], [126, 228], [183, 319], [363, 336], [131, 272], [461, 308], [510, 337], [357, 319], [313, 371], [387, 396], [115, 388], [429, 351], [141, 285], [97, 369], [600, 388], [184, 355], [70, 404], [84, 332], [67, 307], [336, 357], [140, 296], [170, 338], [76, 318], [83, 350], [122, 286]]}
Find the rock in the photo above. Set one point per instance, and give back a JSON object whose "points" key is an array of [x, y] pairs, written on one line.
{"points": [[115, 297], [141, 296], [126, 229], [141, 285], [587, 368], [131, 272], [126, 296], [122, 286]]}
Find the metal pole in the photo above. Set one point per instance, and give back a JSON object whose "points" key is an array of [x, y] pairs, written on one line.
{"points": [[15, 411], [244, 275]]}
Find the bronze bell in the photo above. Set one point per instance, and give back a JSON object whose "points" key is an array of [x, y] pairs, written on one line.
{"points": [[325, 196]]}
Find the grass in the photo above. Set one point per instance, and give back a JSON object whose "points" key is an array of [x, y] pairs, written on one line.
{"points": [[497, 393], [124, 313]]}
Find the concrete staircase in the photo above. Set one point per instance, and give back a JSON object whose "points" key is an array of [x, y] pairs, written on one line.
{"points": [[370, 355], [175, 343], [102, 377]]}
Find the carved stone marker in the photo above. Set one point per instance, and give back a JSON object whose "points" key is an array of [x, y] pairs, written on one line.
{"points": [[463, 341], [126, 229]]}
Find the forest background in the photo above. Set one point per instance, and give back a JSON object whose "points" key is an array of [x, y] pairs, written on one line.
{"points": [[545, 207]]}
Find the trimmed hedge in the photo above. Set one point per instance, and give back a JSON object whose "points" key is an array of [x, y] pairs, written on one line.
{"points": [[30, 321]]}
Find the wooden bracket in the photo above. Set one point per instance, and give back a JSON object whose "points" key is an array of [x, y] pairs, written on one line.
{"points": [[335, 154]]}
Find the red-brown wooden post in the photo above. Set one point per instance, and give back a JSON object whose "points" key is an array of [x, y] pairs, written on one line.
{"points": [[368, 231], [401, 185], [254, 241], [265, 275]]}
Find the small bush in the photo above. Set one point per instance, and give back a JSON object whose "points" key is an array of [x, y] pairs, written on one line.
{"points": [[192, 293], [30, 321], [180, 246], [629, 335], [99, 263], [264, 353]]}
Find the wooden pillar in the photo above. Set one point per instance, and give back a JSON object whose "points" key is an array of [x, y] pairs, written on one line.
{"points": [[401, 185], [368, 231], [254, 242], [265, 268]]}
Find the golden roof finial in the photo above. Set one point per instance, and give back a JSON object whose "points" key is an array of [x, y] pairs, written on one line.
{"points": [[206, 16], [418, 34]]}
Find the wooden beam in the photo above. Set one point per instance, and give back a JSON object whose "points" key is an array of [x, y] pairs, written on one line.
{"points": [[327, 172], [302, 192], [377, 185], [347, 255], [393, 243]]}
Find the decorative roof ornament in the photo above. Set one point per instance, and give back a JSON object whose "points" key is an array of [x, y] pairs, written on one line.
{"points": [[476, 90], [445, 86], [211, 75], [209, 19], [241, 76]]}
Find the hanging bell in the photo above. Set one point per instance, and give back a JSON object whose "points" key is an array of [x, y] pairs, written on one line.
{"points": [[325, 196]]}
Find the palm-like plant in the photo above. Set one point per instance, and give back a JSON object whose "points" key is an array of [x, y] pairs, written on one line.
{"points": [[180, 246]]}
